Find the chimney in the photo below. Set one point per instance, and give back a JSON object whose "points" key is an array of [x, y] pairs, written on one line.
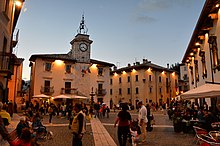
{"points": [[115, 68], [129, 65], [137, 63], [168, 66]]}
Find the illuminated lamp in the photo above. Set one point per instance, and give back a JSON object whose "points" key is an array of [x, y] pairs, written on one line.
{"points": [[58, 62], [18, 3]]}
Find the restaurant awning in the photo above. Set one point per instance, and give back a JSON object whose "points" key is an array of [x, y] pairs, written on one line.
{"points": [[204, 91]]}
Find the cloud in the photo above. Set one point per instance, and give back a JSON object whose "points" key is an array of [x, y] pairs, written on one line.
{"points": [[161, 5], [145, 19]]}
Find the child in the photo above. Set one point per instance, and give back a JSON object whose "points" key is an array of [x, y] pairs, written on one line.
{"points": [[135, 131]]}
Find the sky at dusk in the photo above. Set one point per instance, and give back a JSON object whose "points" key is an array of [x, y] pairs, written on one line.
{"points": [[123, 31]]}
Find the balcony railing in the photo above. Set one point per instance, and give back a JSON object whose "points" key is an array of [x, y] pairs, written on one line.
{"points": [[69, 91], [6, 67], [47, 90], [100, 92]]}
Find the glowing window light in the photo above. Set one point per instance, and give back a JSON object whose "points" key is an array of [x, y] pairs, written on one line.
{"points": [[115, 74], [163, 72], [217, 5], [58, 62], [173, 74]]}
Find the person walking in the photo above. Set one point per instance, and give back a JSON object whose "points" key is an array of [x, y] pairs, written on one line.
{"points": [[142, 117], [123, 120], [78, 126]]}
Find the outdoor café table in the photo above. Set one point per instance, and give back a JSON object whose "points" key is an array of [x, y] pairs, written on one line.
{"points": [[193, 122], [216, 125]]}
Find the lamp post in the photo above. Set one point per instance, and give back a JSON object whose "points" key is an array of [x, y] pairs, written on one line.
{"points": [[92, 94]]}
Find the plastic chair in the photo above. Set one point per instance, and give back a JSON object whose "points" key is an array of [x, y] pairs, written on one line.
{"points": [[215, 135], [198, 132], [205, 140]]}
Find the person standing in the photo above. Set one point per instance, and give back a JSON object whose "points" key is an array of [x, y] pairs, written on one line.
{"points": [[50, 111], [142, 117], [107, 111], [123, 120], [78, 126]]}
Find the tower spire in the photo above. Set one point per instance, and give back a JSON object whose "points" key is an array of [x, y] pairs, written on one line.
{"points": [[82, 27]]}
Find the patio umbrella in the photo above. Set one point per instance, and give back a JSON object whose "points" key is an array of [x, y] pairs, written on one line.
{"points": [[62, 96], [79, 97], [41, 96]]}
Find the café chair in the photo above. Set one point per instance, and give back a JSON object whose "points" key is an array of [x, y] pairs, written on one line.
{"points": [[205, 140], [215, 135], [198, 132]]}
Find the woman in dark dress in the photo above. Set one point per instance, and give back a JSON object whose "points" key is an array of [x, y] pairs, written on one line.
{"points": [[123, 121]]}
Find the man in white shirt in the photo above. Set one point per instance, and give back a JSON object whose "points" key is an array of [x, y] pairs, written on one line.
{"points": [[142, 120]]}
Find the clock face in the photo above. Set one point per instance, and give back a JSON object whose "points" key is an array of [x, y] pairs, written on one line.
{"points": [[83, 47]]}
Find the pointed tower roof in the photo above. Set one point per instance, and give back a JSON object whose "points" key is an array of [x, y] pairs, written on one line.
{"points": [[82, 27]]}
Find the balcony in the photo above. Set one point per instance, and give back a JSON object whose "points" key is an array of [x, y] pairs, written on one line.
{"points": [[69, 91], [47, 90], [6, 66], [100, 92]]}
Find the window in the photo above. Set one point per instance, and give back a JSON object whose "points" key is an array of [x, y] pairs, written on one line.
{"points": [[68, 87], [110, 81], [160, 90], [129, 91], [46, 86], [110, 91], [68, 68], [185, 77], [100, 87], [100, 71], [119, 79], [136, 78], [119, 91], [184, 68], [48, 66], [150, 89], [129, 78], [150, 78], [160, 80], [5, 45], [137, 90]]}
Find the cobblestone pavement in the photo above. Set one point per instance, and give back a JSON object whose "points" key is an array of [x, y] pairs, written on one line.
{"points": [[62, 135], [162, 135]]}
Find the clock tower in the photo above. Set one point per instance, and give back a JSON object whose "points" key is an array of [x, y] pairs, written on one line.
{"points": [[81, 44]]}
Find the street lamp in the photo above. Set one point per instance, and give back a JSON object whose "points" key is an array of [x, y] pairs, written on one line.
{"points": [[92, 94]]}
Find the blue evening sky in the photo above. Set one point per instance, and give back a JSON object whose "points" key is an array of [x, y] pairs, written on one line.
{"points": [[123, 31]]}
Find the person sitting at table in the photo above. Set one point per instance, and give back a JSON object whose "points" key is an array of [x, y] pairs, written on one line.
{"points": [[209, 119], [21, 125]]}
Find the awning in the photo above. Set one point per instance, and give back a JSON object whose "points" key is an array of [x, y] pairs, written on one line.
{"points": [[41, 96], [204, 91]]}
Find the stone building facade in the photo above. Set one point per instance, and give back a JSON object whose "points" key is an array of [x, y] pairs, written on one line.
{"points": [[145, 82], [72, 74]]}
